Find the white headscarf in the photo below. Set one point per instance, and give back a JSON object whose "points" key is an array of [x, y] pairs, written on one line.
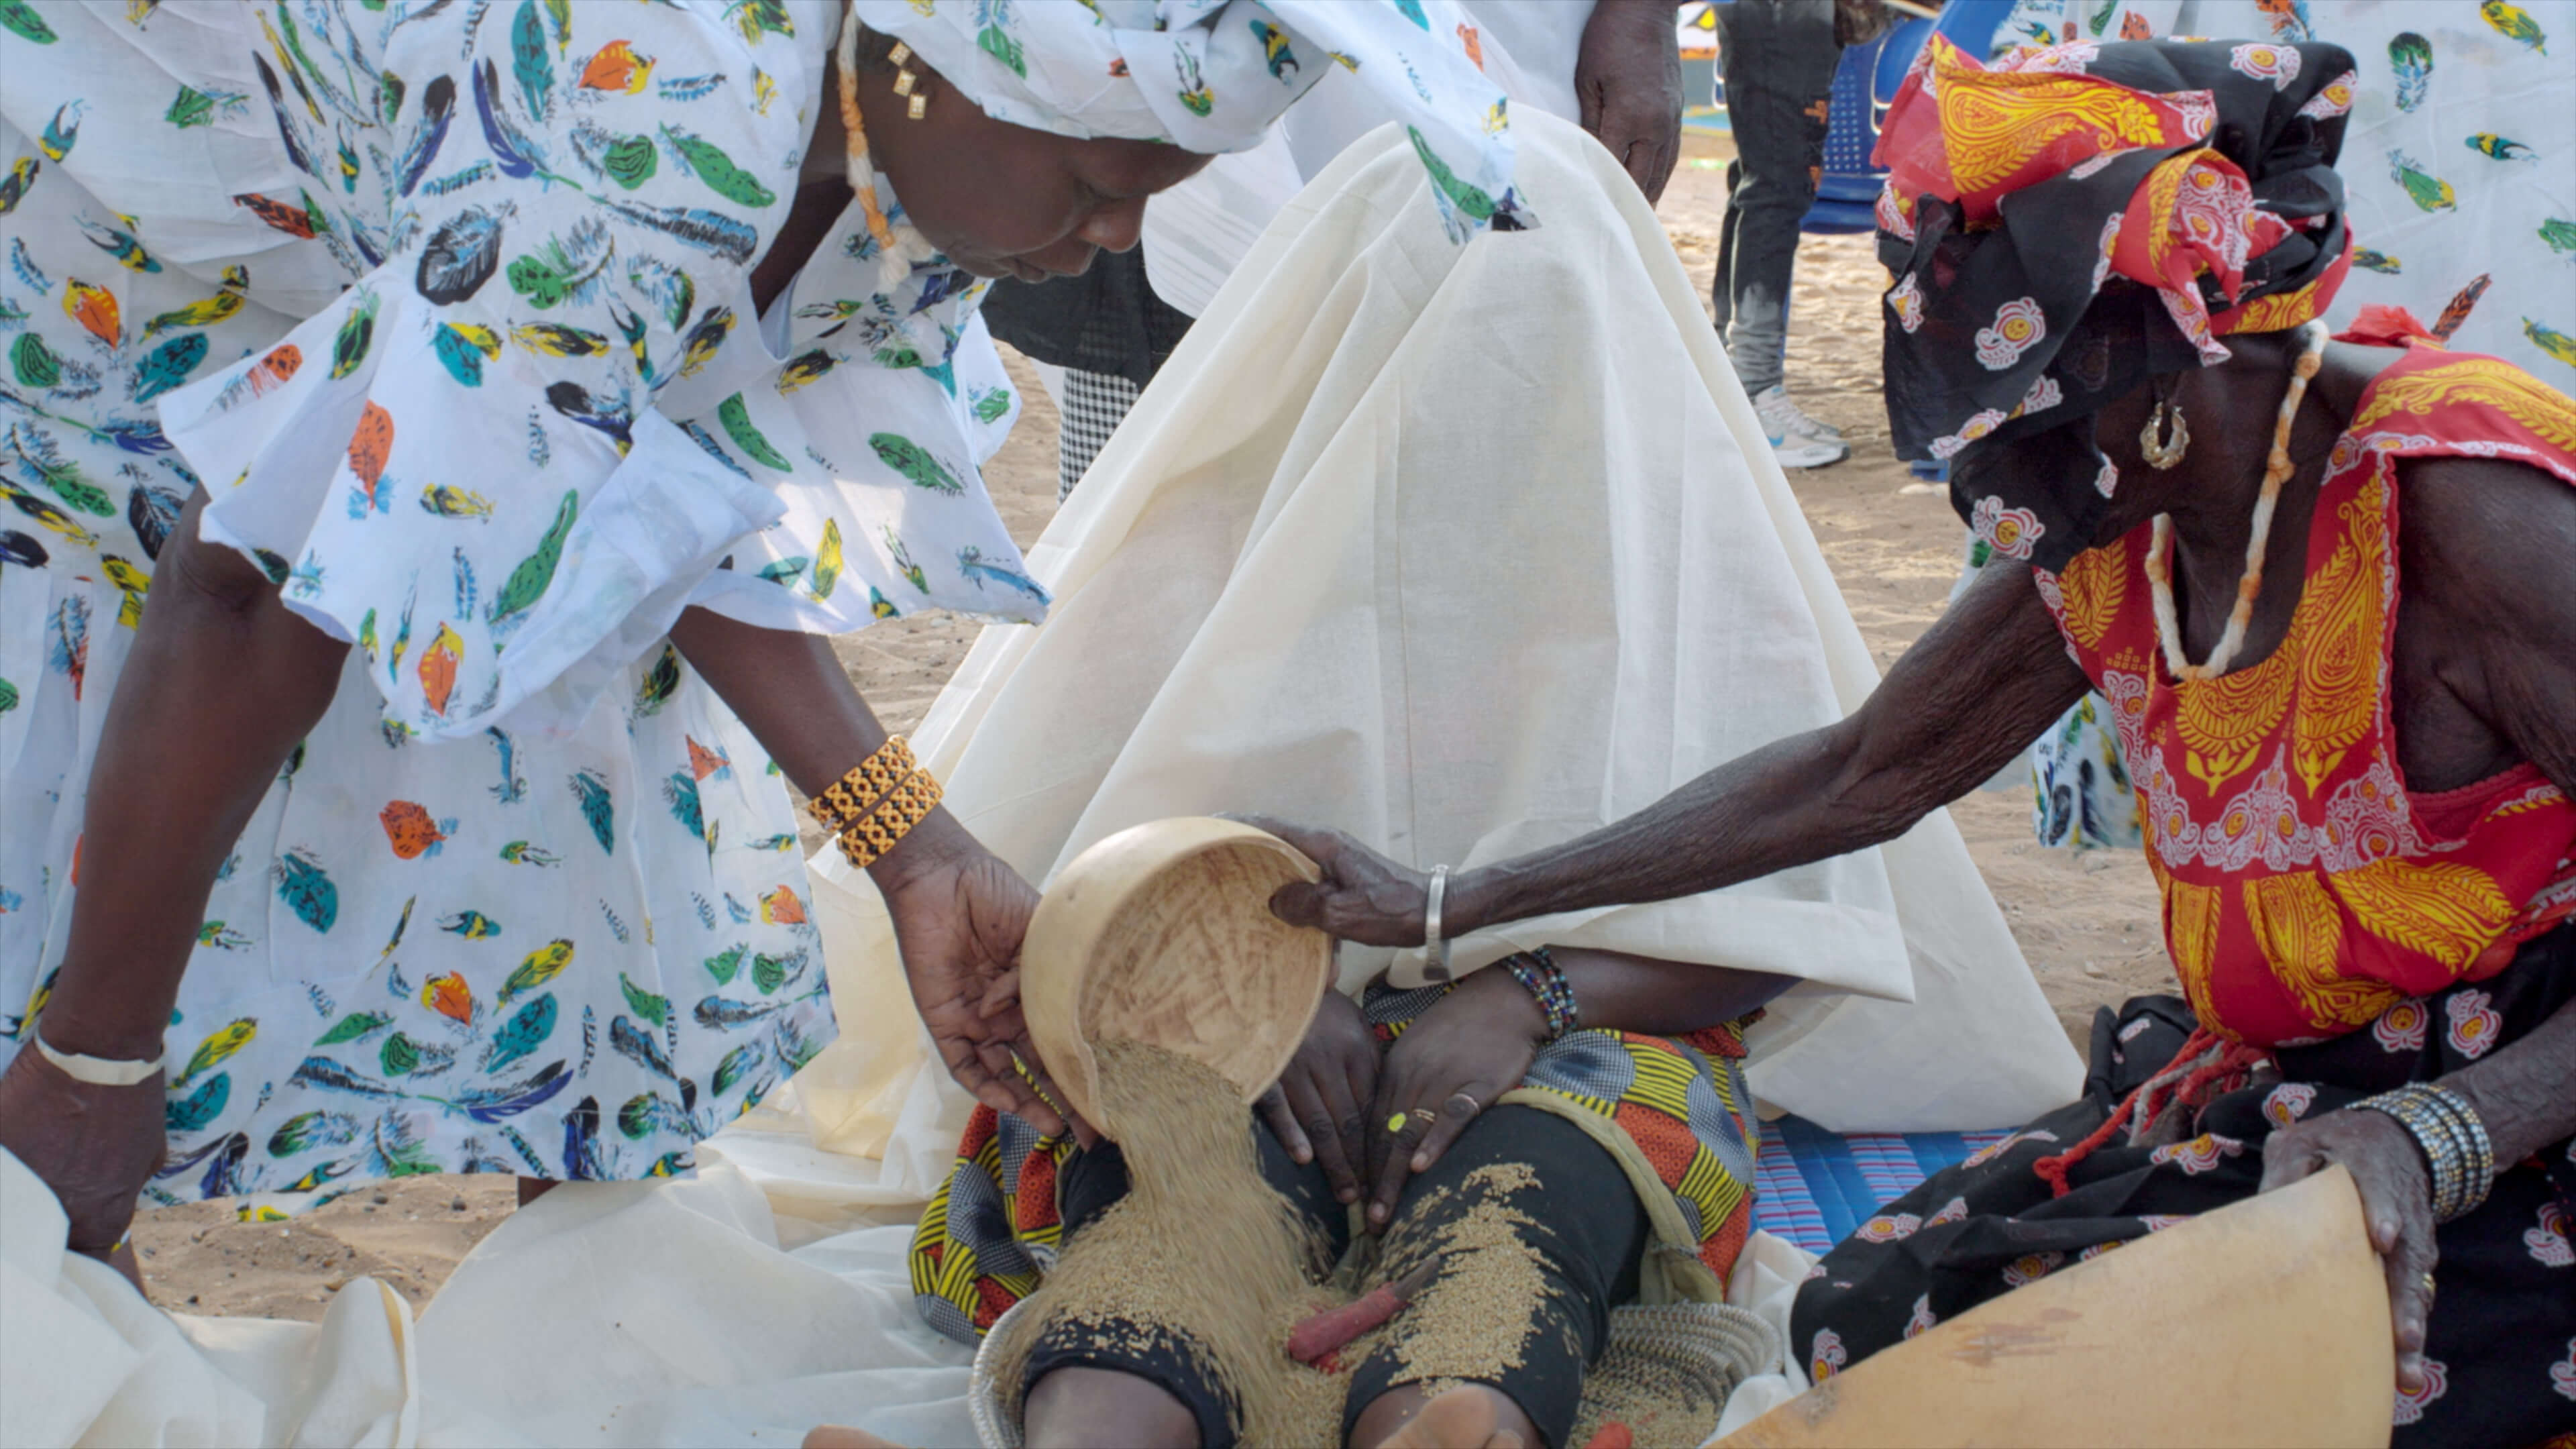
{"points": [[1211, 75]]}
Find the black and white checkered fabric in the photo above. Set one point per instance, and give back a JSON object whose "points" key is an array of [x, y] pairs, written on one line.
{"points": [[1094, 405]]}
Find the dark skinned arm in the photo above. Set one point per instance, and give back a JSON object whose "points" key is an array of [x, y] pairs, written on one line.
{"points": [[222, 682], [1628, 87], [2486, 551], [1333, 1101], [959, 911], [1478, 1041], [1979, 685], [1977, 688]]}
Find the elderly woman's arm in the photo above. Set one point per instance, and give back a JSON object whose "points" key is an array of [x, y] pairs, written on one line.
{"points": [[1977, 688], [958, 910], [222, 681]]}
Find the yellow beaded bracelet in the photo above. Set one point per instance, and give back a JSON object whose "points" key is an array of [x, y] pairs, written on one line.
{"points": [[864, 787], [866, 839]]}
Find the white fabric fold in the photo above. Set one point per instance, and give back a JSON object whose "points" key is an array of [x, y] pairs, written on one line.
{"points": [[1389, 547]]}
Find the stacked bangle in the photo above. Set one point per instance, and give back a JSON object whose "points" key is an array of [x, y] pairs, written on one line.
{"points": [[877, 803], [859, 791], [2453, 1140], [1537, 973]]}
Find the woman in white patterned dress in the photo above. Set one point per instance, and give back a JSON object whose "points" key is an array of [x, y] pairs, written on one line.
{"points": [[506, 396]]}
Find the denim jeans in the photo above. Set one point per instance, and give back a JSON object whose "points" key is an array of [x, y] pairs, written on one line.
{"points": [[1779, 58]]}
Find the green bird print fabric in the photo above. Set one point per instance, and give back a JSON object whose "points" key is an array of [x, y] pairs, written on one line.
{"points": [[446, 310], [2459, 165]]}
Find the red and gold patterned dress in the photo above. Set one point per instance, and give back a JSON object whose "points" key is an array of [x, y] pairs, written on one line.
{"points": [[2359, 934], [2307, 891]]}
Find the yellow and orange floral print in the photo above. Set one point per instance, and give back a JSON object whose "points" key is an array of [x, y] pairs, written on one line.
{"points": [[2307, 890]]}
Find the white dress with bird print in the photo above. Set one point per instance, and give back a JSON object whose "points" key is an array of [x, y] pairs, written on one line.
{"points": [[445, 304]]}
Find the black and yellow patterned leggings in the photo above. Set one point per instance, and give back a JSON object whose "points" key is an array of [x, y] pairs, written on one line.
{"points": [[1565, 1199]]}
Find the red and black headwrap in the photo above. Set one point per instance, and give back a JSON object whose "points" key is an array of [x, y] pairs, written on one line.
{"points": [[2070, 221]]}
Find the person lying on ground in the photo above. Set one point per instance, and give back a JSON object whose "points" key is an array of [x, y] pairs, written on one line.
{"points": [[1395, 1105]]}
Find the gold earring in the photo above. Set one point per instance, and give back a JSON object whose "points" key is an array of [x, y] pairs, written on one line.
{"points": [[2165, 438], [916, 104]]}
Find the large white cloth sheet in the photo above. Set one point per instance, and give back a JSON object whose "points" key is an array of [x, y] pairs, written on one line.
{"points": [[1465, 576], [606, 1314], [1583, 592]]}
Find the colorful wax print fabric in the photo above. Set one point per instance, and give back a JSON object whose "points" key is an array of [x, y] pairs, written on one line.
{"points": [[2196, 185], [1675, 1112]]}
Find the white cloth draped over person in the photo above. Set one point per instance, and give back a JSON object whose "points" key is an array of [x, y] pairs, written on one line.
{"points": [[1197, 233], [1466, 574]]}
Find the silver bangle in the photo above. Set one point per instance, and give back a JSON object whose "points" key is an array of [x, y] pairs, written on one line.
{"points": [[1435, 946], [2458, 1157], [95, 1071]]}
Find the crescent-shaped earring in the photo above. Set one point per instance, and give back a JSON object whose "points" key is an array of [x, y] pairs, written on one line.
{"points": [[2167, 435]]}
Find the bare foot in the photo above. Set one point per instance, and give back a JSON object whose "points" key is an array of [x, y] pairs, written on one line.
{"points": [[834, 1436], [1470, 1416]]}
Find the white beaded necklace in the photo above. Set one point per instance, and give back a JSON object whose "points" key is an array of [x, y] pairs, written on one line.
{"points": [[2276, 472]]}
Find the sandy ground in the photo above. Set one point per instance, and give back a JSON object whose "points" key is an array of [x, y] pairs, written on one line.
{"points": [[2087, 923]]}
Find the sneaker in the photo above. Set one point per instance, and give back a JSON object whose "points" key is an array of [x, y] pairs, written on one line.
{"points": [[1780, 415], [1796, 449]]}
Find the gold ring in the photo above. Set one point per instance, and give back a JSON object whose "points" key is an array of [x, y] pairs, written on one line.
{"points": [[1036, 1088], [2428, 1285]]}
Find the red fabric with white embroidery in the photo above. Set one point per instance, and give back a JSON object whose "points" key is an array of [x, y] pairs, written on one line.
{"points": [[2306, 889]]}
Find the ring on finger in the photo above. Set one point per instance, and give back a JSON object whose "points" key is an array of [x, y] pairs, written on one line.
{"points": [[1422, 1117], [1463, 1104], [1037, 1089]]}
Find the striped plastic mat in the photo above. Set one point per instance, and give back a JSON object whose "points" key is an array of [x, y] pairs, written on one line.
{"points": [[1813, 1187]]}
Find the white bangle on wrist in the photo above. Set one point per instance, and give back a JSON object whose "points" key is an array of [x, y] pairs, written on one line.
{"points": [[96, 1071], [1435, 942]]}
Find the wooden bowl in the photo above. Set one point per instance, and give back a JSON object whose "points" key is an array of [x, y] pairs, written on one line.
{"points": [[1163, 934], [2263, 1323]]}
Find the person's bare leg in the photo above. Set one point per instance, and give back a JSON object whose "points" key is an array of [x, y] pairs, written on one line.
{"points": [[1083, 1408], [221, 682], [1468, 1416]]}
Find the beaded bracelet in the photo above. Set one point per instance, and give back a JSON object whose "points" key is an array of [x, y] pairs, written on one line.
{"points": [[865, 840], [2454, 1142], [864, 787], [1537, 973]]}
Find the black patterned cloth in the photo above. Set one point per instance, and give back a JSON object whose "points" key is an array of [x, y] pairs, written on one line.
{"points": [[2501, 1345]]}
